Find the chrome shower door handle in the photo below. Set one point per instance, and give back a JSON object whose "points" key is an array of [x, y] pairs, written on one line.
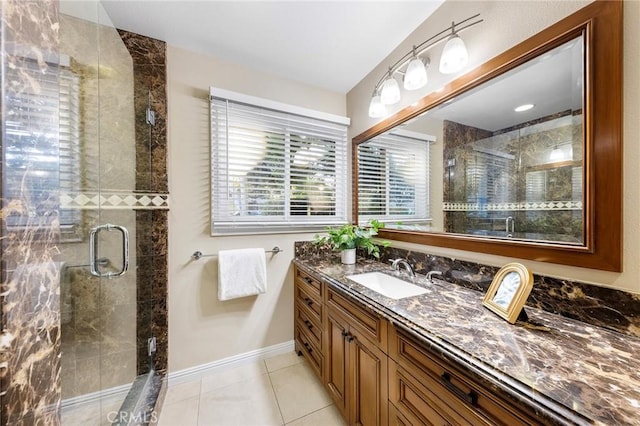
{"points": [[125, 250], [512, 230], [93, 250]]}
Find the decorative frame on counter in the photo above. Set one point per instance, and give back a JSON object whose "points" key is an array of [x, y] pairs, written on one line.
{"points": [[509, 291]]}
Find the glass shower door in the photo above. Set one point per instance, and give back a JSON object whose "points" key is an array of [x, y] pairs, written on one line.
{"points": [[99, 317]]}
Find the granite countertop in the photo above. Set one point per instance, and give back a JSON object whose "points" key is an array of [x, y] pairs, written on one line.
{"points": [[567, 370]]}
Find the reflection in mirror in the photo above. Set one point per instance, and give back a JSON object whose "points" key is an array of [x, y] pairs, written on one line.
{"points": [[393, 178], [507, 290], [510, 154]]}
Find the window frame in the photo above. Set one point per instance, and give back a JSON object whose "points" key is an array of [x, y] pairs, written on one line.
{"points": [[407, 135], [287, 222]]}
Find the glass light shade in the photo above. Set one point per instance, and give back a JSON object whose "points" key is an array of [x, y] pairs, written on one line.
{"points": [[556, 154], [561, 153], [416, 75], [376, 108], [454, 55], [390, 93]]}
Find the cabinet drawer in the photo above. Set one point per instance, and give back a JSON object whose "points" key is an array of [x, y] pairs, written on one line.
{"points": [[398, 417], [306, 321], [311, 285], [454, 388], [304, 345], [314, 307], [370, 325], [419, 402]]}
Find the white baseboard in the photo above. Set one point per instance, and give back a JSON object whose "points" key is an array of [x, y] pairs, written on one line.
{"points": [[197, 372], [118, 391]]}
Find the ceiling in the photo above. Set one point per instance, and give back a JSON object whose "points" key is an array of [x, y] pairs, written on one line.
{"points": [[328, 44], [552, 83]]}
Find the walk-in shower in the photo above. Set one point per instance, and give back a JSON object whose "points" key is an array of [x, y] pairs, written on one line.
{"points": [[83, 220]]}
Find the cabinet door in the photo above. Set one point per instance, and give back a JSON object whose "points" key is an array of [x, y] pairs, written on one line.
{"points": [[370, 325], [336, 361], [368, 379]]}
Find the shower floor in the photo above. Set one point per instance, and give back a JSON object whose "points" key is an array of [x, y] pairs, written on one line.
{"points": [[119, 406]]}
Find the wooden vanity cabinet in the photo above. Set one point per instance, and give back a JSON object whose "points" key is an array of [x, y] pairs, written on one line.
{"points": [[429, 390], [355, 367], [308, 319], [379, 375], [345, 345]]}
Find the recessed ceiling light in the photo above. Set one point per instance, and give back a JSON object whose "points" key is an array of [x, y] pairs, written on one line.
{"points": [[525, 107]]}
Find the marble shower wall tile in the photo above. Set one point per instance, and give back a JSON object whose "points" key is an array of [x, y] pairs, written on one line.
{"points": [[600, 306], [458, 140], [150, 81], [30, 299]]}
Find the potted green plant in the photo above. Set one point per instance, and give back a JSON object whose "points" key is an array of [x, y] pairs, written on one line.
{"points": [[349, 237]]}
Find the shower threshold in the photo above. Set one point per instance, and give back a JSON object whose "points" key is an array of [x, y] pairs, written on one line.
{"points": [[138, 406]]}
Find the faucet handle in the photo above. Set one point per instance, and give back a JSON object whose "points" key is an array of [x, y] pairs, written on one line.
{"points": [[430, 274]]}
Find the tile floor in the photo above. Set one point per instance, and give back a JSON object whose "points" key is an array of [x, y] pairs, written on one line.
{"points": [[282, 390]]}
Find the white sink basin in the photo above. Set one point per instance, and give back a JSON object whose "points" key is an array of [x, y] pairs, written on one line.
{"points": [[387, 285]]}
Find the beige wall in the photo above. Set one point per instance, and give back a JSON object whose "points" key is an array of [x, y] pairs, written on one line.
{"points": [[202, 329], [507, 23]]}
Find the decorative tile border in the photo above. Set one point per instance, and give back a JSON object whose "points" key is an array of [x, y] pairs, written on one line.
{"points": [[114, 201], [545, 205]]}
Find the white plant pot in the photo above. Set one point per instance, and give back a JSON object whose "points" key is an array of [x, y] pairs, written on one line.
{"points": [[348, 256]]}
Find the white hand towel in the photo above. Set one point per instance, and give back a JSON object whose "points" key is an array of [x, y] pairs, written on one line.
{"points": [[241, 273]]}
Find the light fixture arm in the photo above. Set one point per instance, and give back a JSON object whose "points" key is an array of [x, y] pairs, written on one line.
{"points": [[428, 44]]}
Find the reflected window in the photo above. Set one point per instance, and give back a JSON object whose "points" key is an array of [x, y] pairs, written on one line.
{"points": [[393, 178], [42, 162]]}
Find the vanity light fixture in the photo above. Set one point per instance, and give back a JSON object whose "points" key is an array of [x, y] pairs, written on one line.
{"points": [[413, 67], [561, 153], [390, 93], [556, 154], [522, 108], [376, 107], [416, 75], [454, 55]]}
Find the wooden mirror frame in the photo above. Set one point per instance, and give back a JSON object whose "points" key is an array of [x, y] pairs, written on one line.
{"points": [[602, 25]]}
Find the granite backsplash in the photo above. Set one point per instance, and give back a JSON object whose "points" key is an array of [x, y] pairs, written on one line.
{"points": [[600, 306]]}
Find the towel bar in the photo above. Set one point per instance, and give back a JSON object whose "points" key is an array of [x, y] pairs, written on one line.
{"points": [[198, 254]]}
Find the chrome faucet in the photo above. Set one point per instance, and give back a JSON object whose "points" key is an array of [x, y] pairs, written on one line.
{"points": [[430, 274], [395, 264]]}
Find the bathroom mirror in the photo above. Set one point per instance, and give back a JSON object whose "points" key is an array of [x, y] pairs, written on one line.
{"points": [[519, 157]]}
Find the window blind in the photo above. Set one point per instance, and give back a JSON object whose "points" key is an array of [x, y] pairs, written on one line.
{"points": [[393, 178], [488, 177], [42, 161], [274, 171]]}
